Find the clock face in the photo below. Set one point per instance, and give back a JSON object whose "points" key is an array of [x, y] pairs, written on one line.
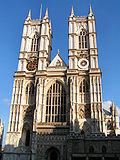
{"points": [[31, 66], [83, 63]]}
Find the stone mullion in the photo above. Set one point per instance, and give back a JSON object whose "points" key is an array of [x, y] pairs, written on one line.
{"points": [[99, 103], [91, 98], [37, 101], [43, 105], [57, 103], [51, 104], [13, 117], [70, 89], [54, 103], [48, 95], [63, 105], [74, 105], [76, 94], [11, 110], [41, 96], [18, 102], [60, 104]]}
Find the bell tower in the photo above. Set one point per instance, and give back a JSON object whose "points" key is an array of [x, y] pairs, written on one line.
{"points": [[35, 56], [85, 85]]}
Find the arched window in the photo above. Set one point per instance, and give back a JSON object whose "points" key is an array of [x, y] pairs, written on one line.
{"points": [[27, 140], [84, 86], [30, 93], [109, 125], [56, 103], [82, 40], [104, 150], [31, 89], [91, 149], [34, 45], [84, 91]]}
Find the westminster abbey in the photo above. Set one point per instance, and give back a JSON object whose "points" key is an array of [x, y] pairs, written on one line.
{"points": [[56, 110]]}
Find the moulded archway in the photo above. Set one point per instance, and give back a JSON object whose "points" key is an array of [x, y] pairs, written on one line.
{"points": [[53, 154]]}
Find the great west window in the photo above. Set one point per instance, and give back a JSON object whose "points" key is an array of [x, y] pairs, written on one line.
{"points": [[56, 103]]}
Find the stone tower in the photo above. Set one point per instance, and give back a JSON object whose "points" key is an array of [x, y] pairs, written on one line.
{"points": [[85, 75], [56, 110], [35, 56]]}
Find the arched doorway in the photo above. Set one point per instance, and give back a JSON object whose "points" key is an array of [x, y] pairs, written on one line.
{"points": [[53, 154]]}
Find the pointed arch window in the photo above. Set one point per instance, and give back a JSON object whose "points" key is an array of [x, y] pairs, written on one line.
{"points": [[83, 40], [84, 86], [34, 45], [56, 103], [84, 91], [30, 91]]}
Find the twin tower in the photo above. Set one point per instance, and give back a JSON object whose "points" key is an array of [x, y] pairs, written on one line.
{"points": [[51, 100]]}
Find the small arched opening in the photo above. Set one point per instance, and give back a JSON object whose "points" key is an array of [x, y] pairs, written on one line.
{"points": [[53, 154]]}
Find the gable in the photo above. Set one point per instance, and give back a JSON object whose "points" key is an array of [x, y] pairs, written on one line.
{"points": [[57, 62]]}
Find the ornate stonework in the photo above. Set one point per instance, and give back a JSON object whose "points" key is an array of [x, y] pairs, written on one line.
{"points": [[56, 110]]}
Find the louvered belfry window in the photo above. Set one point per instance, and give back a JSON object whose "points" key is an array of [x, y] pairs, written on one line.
{"points": [[82, 40], [56, 103]]}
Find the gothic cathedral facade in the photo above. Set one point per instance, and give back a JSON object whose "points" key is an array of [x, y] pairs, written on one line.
{"points": [[57, 110]]}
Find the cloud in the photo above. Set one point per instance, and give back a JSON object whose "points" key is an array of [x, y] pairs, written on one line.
{"points": [[6, 101], [107, 104]]}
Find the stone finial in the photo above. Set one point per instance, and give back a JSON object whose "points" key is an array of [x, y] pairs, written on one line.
{"points": [[90, 11], [41, 11], [29, 15], [72, 12], [46, 13], [58, 52], [116, 112]]}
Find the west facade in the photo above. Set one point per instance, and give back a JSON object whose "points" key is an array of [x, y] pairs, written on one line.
{"points": [[57, 110]]}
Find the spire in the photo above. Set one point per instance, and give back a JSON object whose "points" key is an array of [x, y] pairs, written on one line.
{"points": [[46, 13], [116, 112], [112, 105], [41, 11], [29, 15], [72, 12], [90, 11]]}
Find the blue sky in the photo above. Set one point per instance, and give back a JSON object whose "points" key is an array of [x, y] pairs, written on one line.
{"points": [[13, 14]]}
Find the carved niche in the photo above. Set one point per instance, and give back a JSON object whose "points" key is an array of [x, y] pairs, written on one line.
{"points": [[84, 111]]}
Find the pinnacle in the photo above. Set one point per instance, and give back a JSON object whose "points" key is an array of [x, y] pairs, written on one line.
{"points": [[90, 11], [72, 12], [29, 15], [46, 14]]}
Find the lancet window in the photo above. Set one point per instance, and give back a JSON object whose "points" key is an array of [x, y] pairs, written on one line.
{"points": [[29, 93], [56, 103], [82, 40], [34, 45], [84, 91]]}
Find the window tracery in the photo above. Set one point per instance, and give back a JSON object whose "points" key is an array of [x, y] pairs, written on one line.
{"points": [[83, 40], [84, 91], [34, 45], [29, 93], [56, 103]]}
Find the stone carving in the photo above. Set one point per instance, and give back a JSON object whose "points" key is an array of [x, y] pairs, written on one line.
{"points": [[81, 112]]}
